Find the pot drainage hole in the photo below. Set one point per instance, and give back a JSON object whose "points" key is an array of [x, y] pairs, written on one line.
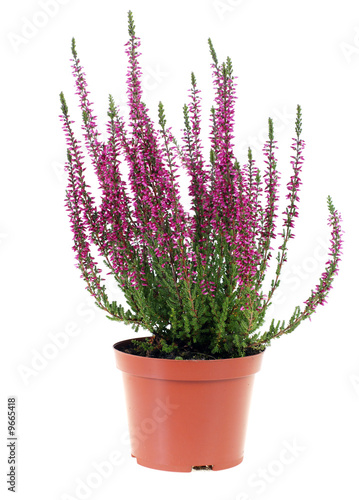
{"points": [[202, 467]]}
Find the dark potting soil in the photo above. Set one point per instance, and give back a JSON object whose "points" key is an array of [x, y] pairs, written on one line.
{"points": [[145, 349]]}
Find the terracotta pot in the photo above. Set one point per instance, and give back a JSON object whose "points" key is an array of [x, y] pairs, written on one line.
{"points": [[184, 414]]}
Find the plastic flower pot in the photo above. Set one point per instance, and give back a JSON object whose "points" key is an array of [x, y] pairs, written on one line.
{"points": [[185, 414]]}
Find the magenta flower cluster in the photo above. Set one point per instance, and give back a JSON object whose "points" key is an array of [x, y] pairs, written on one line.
{"points": [[193, 278]]}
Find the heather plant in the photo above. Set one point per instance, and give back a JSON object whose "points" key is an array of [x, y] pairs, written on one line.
{"points": [[192, 278]]}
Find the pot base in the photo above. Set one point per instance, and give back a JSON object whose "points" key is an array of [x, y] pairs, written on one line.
{"points": [[187, 468]]}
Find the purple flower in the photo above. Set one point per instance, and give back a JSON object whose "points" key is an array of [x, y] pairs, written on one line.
{"points": [[193, 277]]}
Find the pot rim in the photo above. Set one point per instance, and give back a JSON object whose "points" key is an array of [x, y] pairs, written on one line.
{"points": [[185, 369]]}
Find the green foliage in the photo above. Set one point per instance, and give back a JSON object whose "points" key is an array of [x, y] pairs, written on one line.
{"points": [[213, 52], [298, 121], [73, 48], [131, 24], [210, 316]]}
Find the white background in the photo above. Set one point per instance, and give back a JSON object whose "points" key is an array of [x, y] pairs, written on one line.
{"points": [[71, 411]]}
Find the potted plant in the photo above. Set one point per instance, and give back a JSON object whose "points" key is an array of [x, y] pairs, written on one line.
{"points": [[193, 278]]}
